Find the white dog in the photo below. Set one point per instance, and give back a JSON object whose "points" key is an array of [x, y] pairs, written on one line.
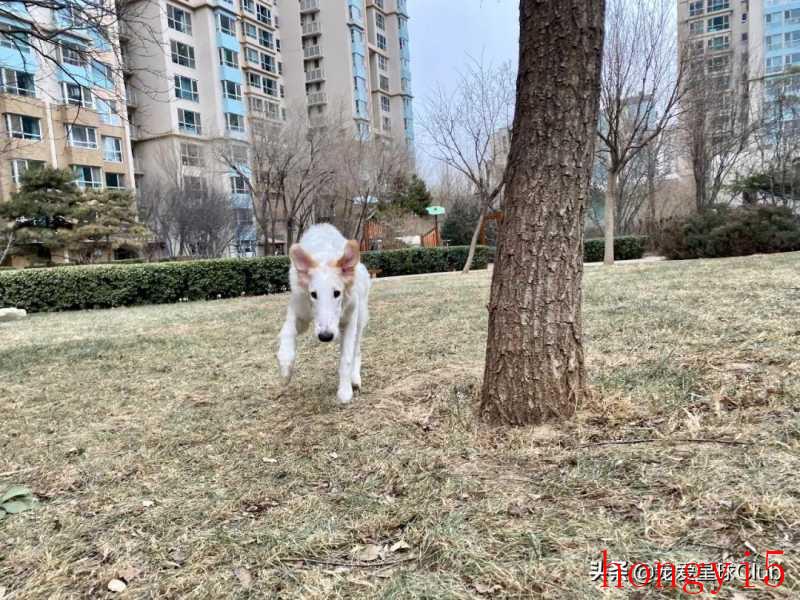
{"points": [[331, 287]]}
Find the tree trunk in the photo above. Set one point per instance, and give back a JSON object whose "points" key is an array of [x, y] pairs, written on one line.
{"points": [[608, 217], [475, 235], [11, 239], [534, 356]]}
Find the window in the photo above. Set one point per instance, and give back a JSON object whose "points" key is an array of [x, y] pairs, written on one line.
{"points": [[384, 82], [73, 55], [21, 165], [718, 5], [229, 58], [234, 122], [270, 86], [179, 20], [696, 27], [265, 38], [115, 181], [112, 149], [386, 105], [256, 104], [226, 24], [247, 6], [251, 55], [696, 8], [792, 16], [383, 62], [194, 184], [792, 38], [17, 40], [192, 155], [250, 30], [81, 136], [238, 154], [268, 62], [238, 185], [719, 63], [355, 14], [381, 41], [23, 127], [17, 82], [263, 14], [720, 42], [744, 17], [387, 124], [774, 41], [87, 176], [719, 23], [77, 95], [182, 54], [379, 4], [189, 121], [231, 90], [380, 21], [186, 88]]}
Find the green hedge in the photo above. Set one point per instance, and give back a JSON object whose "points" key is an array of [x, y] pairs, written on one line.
{"points": [[106, 286], [625, 248], [721, 231]]}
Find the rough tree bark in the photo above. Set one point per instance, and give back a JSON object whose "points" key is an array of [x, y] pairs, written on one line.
{"points": [[534, 357]]}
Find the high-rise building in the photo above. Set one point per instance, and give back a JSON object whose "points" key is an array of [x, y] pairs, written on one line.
{"points": [[60, 87], [351, 56]]}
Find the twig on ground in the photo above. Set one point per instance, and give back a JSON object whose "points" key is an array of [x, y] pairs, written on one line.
{"points": [[18, 471], [667, 440], [348, 563]]}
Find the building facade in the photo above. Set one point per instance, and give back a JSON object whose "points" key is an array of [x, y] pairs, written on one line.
{"points": [[184, 78], [63, 110]]}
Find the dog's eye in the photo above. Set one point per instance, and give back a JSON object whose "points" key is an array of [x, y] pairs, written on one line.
{"points": [[336, 293], [314, 295]]}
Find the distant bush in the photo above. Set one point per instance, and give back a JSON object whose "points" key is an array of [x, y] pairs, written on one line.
{"points": [[722, 231], [106, 286], [625, 248]]}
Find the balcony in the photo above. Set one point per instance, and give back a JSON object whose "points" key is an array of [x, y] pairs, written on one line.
{"points": [[317, 98], [312, 52], [312, 28], [309, 6], [131, 98], [315, 75]]}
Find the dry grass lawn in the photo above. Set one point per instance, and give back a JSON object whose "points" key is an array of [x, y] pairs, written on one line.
{"points": [[165, 453]]}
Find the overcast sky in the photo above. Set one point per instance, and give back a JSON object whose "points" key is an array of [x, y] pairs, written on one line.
{"points": [[444, 33]]}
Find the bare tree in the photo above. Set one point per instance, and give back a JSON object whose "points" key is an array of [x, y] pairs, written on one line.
{"points": [[640, 92], [716, 120], [460, 127], [366, 170], [290, 166], [534, 355]]}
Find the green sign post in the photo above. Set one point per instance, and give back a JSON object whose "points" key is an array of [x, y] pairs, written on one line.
{"points": [[435, 211]]}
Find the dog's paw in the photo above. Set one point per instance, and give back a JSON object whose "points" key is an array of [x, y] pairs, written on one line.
{"points": [[344, 395], [286, 369], [356, 383]]}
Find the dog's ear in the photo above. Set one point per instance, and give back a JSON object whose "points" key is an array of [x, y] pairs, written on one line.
{"points": [[303, 262], [349, 260]]}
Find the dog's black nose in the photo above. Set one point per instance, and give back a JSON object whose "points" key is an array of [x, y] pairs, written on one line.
{"points": [[325, 336]]}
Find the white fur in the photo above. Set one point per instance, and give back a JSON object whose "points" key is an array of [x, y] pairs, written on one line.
{"points": [[345, 317]]}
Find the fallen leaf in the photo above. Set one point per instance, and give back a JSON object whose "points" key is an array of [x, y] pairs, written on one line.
{"points": [[518, 510], [369, 553], [399, 546], [16, 499], [244, 577], [115, 585], [484, 589], [128, 574]]}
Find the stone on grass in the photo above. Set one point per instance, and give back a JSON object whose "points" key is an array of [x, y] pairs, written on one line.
{"points": [[12, 314]]}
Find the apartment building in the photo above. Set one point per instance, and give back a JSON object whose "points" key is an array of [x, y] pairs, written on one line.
{"points": [[776, 58], [62, 110], [351, 56]]}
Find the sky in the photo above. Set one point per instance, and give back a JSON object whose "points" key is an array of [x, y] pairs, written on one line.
{"points": [[445, 33]]}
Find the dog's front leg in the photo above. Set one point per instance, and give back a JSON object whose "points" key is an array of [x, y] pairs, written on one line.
{"points": [[348, 349], [288, 345]]}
